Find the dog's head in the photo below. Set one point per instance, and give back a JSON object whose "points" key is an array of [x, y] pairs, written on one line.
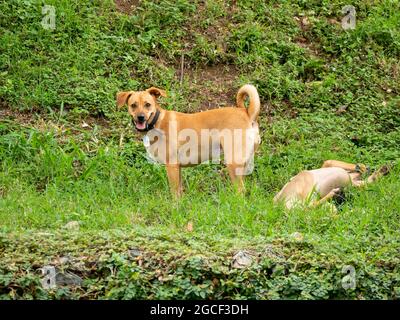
{"points": [[142, 105]]}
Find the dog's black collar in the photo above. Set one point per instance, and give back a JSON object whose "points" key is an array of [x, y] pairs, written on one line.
{"points": [[149, 126]]}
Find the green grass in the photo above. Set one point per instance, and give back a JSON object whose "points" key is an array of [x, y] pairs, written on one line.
{"points": [[48, 184], [53, 170]]}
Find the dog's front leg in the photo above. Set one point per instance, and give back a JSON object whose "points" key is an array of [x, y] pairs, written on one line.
{"points": [[174, 179], [329, 196]]}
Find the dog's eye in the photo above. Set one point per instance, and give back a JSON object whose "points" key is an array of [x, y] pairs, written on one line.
{"points": [[134, 105], [147, 105]]}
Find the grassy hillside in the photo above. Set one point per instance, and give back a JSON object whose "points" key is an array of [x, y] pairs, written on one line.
{"points": [[67, 154]]}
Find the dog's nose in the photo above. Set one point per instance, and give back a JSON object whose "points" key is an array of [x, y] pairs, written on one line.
{"points": [[140, 118]]}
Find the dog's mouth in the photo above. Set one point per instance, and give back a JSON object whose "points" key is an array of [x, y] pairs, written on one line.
{"points": [[140, 125]]}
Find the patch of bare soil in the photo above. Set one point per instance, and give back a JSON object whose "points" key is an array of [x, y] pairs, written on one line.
{"points": [[126, 6], [302, 41], [99, 121], [22, 117], [308, 45], [41, 122], [213, 86], [289, 109]]}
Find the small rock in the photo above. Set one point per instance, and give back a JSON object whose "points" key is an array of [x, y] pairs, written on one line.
{"points": [[241, 260], [305, 21], [341, 110], [134, 253], [72, 225], [297, 236]]}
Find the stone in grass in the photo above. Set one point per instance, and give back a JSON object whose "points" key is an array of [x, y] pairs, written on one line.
{"points": [[297, 236], [134, 253], [72, 225], [241, 260]]}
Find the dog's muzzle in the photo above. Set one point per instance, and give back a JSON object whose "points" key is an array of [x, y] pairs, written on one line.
{"points": [[142, 125]]}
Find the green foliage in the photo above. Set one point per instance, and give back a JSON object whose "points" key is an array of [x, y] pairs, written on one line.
{"points": [[179, 267]]}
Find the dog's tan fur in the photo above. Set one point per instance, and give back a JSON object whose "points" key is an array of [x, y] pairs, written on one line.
{"points": [[326, 182], [145, 103]]}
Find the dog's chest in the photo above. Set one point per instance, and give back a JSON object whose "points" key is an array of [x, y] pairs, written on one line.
{"points": [[155, 152]]}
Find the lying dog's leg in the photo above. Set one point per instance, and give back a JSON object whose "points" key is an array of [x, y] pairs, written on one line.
{"points": [[174, 179], [236, 174], [344, 165], [382, 171], [329, 196]]}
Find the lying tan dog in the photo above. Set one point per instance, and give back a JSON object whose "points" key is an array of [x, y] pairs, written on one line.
{"points": [[325, 182], [179, 140]]}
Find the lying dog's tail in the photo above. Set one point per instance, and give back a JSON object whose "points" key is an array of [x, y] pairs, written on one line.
{"points": [[254, 106]]}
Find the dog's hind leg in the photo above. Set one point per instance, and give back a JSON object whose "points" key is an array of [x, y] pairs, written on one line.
{"points": [[174, 179], [236, 174], [329, 196], [344, 165]]}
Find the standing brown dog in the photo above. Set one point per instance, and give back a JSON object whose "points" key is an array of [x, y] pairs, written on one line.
{"points": [[179, 140]]}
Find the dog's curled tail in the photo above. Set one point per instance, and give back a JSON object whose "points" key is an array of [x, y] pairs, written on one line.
{"points": [[254, 105]]}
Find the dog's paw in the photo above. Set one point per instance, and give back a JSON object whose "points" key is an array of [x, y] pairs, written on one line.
{"points": [[384, 170], [362, 168], [335, 191]]}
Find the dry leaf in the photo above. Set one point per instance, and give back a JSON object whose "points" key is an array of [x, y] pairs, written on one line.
{"points": [[189, 226]]}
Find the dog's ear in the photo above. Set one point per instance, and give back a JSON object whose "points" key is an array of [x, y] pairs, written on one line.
{"points": [[156, 92], [122, 98]]}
